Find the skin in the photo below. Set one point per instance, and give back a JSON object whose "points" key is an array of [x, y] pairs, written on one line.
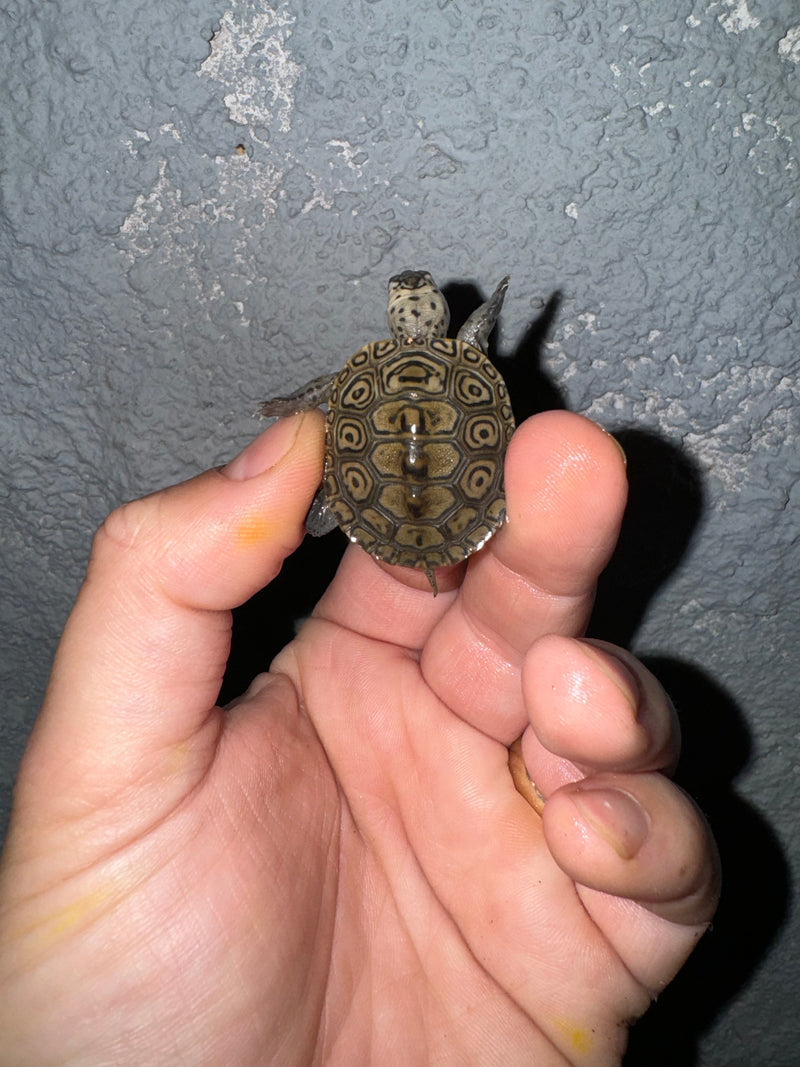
{"points": [[338, 868]]}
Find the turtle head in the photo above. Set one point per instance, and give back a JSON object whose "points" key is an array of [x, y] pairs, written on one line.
{"points": [[417, 309]]}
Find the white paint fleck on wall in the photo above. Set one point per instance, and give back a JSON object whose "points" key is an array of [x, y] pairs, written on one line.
{"points": [[353, 157], [172, 129], [130, 143], [147, 207], [733, 389], [589, 320], [735, 468], [249, 57], [789, 46], [770, 143], [738, 17], [164, 201], [251, 61], [656, 109]]}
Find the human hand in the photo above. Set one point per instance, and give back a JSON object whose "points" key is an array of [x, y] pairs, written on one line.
{"points": [[338, 868]]}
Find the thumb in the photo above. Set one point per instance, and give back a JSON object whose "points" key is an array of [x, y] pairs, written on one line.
{"points": [[143, 653]]}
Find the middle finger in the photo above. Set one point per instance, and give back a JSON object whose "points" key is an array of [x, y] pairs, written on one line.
{"points": [[565, 495]]}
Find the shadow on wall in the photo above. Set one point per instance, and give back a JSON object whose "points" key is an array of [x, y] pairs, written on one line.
{"points": [[268, 621], [530, 389], [665, 506], [755, 890]]}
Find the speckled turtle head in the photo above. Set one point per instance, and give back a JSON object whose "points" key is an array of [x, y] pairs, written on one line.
{"points": [[417, 309]]}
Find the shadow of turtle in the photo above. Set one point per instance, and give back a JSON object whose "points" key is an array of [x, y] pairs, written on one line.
{"points": [[665, 504], [530, 389]]}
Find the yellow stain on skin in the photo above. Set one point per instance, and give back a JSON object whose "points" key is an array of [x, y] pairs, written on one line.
{"points": [[65, 920], [176, 758], [579, 1038], [61, 922], [254, 530]]}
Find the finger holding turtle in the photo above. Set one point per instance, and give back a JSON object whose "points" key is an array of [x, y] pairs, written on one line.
{"points": [[566, 491]]}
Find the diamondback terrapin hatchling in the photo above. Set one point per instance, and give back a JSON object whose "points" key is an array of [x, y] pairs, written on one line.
{"points": [[415, 434]]}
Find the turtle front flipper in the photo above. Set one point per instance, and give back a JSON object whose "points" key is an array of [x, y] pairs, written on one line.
{"points": [[320, 520], [310, 396], [480, 324]]}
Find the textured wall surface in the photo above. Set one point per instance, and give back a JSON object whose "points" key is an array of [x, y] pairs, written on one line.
{"points": [[201, 203]]}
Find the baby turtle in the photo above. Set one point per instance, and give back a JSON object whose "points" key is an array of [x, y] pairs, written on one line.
{"points": [[415, 434]]}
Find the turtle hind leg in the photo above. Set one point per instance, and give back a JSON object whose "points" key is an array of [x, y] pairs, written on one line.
{"points": [[480, 324], [320, 519], [310, 396], [430, 574]]}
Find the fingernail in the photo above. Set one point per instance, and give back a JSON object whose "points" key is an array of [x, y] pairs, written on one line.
{"points": [[617, 671], [614, 815], [619, 446], [267, 450]]}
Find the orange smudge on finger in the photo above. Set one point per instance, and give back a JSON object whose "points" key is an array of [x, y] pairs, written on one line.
{"points": [[254, 530]]}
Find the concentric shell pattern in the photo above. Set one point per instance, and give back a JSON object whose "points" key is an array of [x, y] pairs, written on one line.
{"points": [[415, 439]]}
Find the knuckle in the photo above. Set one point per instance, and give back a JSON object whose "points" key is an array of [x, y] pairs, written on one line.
{"points": [[128, 530]]}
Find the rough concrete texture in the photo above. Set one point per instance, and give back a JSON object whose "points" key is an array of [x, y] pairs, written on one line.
{"points": [[201, 205]]}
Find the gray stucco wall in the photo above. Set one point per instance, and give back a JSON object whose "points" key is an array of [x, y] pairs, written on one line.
{"points": [[201, 203]]}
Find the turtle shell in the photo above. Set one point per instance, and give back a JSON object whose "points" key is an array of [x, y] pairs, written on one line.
{"points": [[415, 439]]}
